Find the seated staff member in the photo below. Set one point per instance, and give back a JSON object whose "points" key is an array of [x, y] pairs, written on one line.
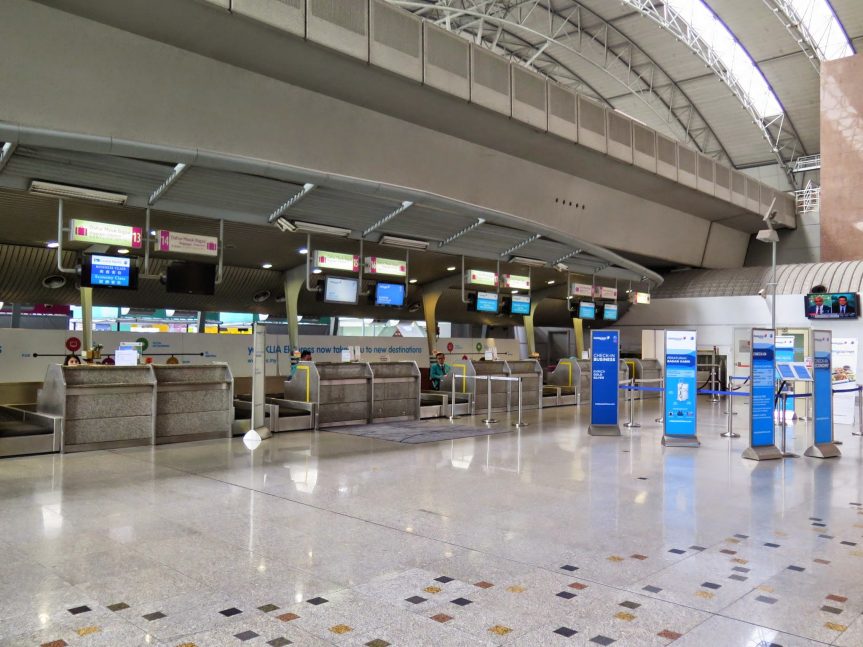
{"points": [[438, 370], [305, 356], [72, 360]]}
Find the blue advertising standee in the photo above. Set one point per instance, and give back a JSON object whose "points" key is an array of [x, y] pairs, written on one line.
{"points": [[604, 363], [762, 442], [680, 415], [822, 393]]}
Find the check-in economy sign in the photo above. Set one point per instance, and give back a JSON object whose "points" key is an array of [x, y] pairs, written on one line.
{"points": [[104, 233], [604, 363], [180, 243], [680, 383], [822, 343]]}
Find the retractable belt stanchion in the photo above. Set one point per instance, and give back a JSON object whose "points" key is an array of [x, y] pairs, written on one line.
{"points": [[783, 399], [488, 419], [661, 417], [452, 415], [631, 424], [729, 411], [519, 422]]}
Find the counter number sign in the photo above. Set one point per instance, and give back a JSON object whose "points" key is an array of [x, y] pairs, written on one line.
{"points": [[73, 344], [144, 344]]}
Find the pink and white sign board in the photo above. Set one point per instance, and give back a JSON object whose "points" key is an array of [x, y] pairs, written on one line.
{"points": [[180, 243]]}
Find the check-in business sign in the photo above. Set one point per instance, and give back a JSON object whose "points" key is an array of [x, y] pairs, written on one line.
{"points": [[680, 383], [179, 243], [104, 233], [604, 364]]}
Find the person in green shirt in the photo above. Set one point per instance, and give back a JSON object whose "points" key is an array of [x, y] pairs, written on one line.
{"points": [[438, 370], [305, 356]]}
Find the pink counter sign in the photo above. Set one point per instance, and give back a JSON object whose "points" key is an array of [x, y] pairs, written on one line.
{"points": [[180, 243]]}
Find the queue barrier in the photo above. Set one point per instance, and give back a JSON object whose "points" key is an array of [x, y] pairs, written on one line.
{"points": [[489, 379], [859, 390]]}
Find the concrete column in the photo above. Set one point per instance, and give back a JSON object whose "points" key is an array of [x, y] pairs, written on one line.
{"points": [[16, 316], [202, 321], [87, 317], [529, 336], [294, 280]]}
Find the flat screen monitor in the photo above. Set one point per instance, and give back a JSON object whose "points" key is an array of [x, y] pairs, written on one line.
{"points": [[188, 277], [801, 372], [520, 305], [587, 310], [341, 290], [486, 302], [390, 294], [609, 312], [101, 271], [785, 371], [834, 305]]}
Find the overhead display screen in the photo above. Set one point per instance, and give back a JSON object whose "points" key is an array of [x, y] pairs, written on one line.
{"points": [[99, 271], [609, 312], [341, 290], [840, 305], [390, 294], [486, 302], [520, 305], [587, 310]]}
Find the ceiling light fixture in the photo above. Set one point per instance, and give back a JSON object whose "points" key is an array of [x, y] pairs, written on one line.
{"points": [[451, 268], [303, 250], [409, 243], [75, 192], [52, 244], [267, 266], [412, 281], [551, 282], [523, 260], [123, 251], [317, 270], [263, 317], [317, 228]]}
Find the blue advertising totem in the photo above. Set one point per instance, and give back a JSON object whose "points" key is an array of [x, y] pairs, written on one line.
{"points": [[604, 363]]}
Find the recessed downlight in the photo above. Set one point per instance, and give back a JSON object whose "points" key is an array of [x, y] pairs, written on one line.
{"points": [[317, 270], [123, 250], [303, 250], [53, 244], [412, 281], [551, 282], [451, 268], [54, 281], [267, 266]]}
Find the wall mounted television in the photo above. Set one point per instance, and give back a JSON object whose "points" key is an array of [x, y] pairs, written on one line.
{"points": [[189, 277], [832, 305]]}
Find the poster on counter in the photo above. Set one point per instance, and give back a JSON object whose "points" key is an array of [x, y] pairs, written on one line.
{"points": [[844, 362], [680, 383], [604, 399]]}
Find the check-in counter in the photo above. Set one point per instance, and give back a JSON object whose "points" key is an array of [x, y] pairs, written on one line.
{"points": [[530, 372], [499, 388], [650, 372], [340, 394], [193, 402], [395, 391], [102, 407], [437, 403], [563, 386]]}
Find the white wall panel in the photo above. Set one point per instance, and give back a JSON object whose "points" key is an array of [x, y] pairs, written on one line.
{"points": [[446, 61], [342, 25], [396, 40], [289, 15]]}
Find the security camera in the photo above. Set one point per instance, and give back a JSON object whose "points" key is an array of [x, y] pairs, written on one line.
{"points": [[762, 293], [767, 236], [770, 217], [561, 267]]}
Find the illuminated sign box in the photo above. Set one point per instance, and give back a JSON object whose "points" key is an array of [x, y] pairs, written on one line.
{"points": [[639, 297], [87, 231], [480, 277], [337, 261], [581, 290], [389, 266], [515, 281], [179, 243], [601, 292]]}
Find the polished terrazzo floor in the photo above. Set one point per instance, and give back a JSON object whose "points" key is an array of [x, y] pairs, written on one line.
{"points": [[539, 537]]}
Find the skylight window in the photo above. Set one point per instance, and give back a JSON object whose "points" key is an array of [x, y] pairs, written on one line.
{"points": [[730, 54], [822, 28]]}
